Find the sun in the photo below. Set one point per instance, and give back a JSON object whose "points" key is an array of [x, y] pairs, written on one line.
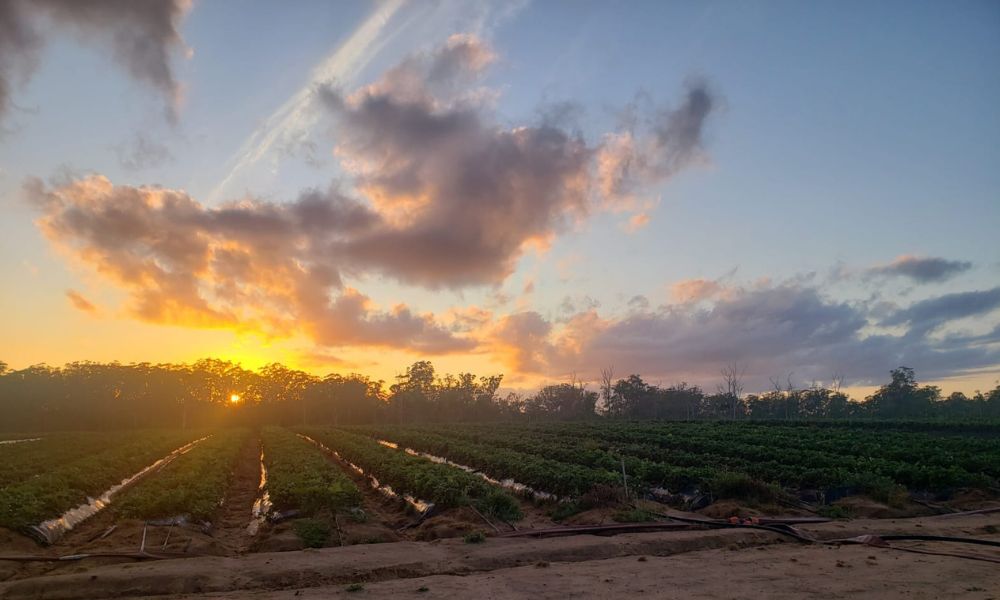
{"points": [[234, 398]]}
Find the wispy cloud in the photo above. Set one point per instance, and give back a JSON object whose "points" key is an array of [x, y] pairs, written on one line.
{"points": [[921, 269], [80, 303]]}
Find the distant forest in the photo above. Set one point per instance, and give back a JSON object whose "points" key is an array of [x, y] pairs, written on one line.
{"points": [[87, 395]]}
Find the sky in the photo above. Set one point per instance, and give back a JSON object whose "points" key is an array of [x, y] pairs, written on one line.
{"points": [[539, 189]]}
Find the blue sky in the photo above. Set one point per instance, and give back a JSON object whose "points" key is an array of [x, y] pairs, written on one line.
{"points": [[841, 137]]}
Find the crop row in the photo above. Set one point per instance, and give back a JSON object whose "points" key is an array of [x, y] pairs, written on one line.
{"points": [[69, 484], [193, 484], [669, 460], [800, 467], [24, 460], [533, 469], [444, 485], [974, 453], [913, 459], [299, 476]]}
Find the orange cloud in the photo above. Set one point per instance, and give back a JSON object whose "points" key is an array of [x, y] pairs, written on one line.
{"points": [[80, 303], [694, 290]]}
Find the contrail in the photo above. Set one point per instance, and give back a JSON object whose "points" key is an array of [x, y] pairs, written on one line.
{"points": [[296, 114]]}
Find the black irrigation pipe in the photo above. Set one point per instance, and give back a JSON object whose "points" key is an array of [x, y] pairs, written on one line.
{"points": [[779, 528], [74, 557], [942, 538]]}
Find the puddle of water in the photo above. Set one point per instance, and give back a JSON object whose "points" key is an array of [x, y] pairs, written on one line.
{"points": [[50, 531], [262, 505], [420, 506], [5, 442], [510, 484]]}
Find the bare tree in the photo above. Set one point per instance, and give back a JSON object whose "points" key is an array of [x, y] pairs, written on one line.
{"points": [[732, 377], [607, 385], [789, 388], [837, 382]]}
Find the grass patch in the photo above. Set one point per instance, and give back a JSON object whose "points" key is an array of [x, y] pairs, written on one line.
{"points": [[313, 532], [634, 515], [833, 511], [565, 510], [500, 505], [741, 487], [475, 537]]}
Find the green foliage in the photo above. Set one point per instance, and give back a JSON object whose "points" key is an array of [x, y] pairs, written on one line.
{"points": [[314, 533], [300, 476], [59, 486], [533, 468], [355, 587], [565, 510], [742, 487], [834, 511], [745, 460], [193, 484], [474, 537], [441, 484], [500, 505], [634, 515], [879, 487], [25, 460]]}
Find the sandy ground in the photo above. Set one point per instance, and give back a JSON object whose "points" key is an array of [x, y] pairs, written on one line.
{"points": [[776, 572], [731, 563]]}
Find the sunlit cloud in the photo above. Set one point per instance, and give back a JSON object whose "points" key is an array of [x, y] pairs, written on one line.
{"points": [[80, 303]]}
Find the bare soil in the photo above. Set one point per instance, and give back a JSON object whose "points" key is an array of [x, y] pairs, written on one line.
{"points": [[230, 526], [728, 563]]}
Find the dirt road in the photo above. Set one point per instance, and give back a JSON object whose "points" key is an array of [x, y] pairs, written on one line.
{"points": [[732, 563]]}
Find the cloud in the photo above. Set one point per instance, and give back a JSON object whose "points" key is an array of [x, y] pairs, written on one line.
{"points": [[140, 152], [773, 328], [253, 266], [463, 196], [654, 147], [636, 222], [694, 290], [521, 338], [441, 195], [920, 269], [19, 44], [140, 35], [927, 315], [80, 303]]}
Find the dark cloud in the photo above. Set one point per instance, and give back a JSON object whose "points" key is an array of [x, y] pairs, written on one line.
{"points": [[462, 196], [140, 152], [141, 35], [920, 269], [19, 44], [773, 329], [927, 315]]}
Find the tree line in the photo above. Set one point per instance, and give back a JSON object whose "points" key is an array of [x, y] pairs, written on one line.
{"points": [[209, 392]]}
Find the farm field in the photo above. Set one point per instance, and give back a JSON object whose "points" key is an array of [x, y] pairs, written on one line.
{"points": [[232, 492]]}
